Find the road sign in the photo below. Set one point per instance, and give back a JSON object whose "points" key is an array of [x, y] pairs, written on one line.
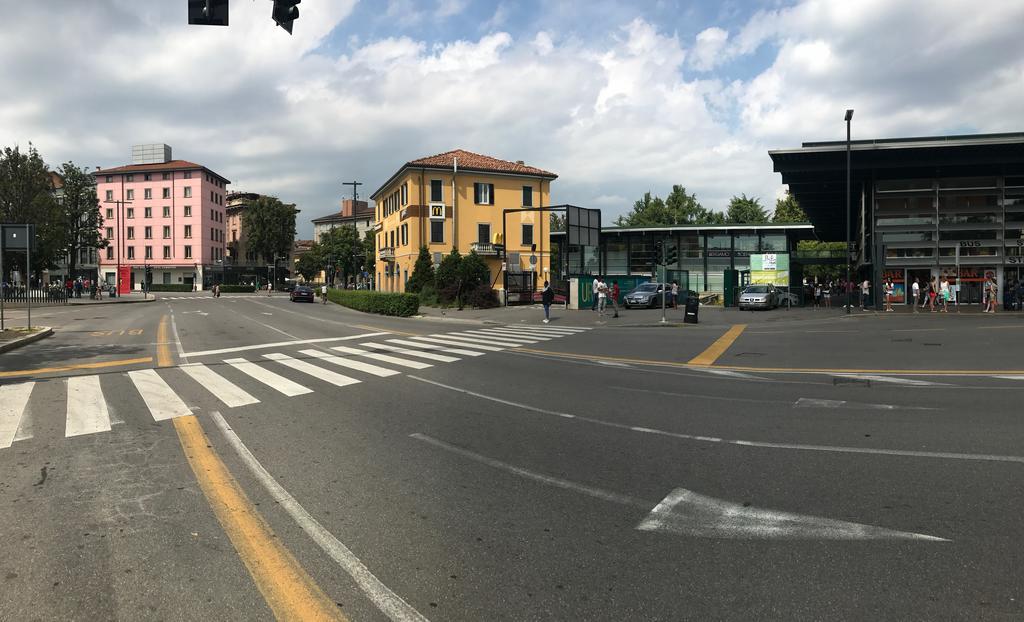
{"points": [[583, 226]]}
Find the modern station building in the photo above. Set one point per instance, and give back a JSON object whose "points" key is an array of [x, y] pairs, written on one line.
{"points": [[920, 208]]}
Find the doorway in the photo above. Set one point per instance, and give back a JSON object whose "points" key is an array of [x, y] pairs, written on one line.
{"points": [[922, 276]]}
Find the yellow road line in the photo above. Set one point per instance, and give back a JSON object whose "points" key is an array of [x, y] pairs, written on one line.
{"points": [[807, 370], [715, 350], [163, 348], [50, 370], [289, 591]]}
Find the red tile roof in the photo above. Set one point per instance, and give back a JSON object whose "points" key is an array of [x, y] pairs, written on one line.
{"points": [[471, 162], [173, 165]]}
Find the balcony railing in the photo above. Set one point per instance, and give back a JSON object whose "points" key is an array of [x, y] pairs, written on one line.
{"points": [[377, 226], [386, 254], [483, 248]]}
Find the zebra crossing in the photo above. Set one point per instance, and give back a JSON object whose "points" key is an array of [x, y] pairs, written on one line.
{"points": [[238, 381], [207, 296]]}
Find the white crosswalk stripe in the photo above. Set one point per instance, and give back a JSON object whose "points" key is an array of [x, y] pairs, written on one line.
{"points": [[430, 356], [500, 338], [163, 403], [440, 339], [500, 333], [431, 346], [524, 330], [480, 339], [305, 367], [275, 381], [394, 360], [87, 410], [375, 370], [13, 400], [226, 391]]}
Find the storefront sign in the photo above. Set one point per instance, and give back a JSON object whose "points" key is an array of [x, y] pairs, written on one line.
{"points": [[770, 269], [437, 212], [769, 261]]}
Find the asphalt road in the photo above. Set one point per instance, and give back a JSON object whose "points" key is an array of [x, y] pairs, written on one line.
{"points": [[790, 468]]}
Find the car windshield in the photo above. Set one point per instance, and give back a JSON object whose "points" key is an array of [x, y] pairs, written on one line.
{"points": [[756, 289], [646, 288]]}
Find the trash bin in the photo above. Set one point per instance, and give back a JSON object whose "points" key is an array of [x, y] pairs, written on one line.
{"points": [[690, 313]]}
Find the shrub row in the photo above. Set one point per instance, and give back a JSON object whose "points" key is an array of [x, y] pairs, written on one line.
{"points": [[383, 303], [237, 289], [170, 287]]}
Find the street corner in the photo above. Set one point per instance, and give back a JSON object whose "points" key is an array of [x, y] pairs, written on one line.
{"points": [[11, 339]]}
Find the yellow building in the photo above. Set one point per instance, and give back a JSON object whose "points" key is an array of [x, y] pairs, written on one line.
{"points": [[456, 200]]}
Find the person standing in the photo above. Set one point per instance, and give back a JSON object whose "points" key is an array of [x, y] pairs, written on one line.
{"points": [[547, 296], [932, 293], [614, 297], [993, 294], [323, 294], [865, 289], [915, 291], [595, 286], [817, 294], [675, 294], [826, 294], [944, 293], [602, 297], [887, 289]]}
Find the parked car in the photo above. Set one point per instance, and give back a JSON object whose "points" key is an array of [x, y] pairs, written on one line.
{"points": [[645, 295], [301, 292], [759, 297]]}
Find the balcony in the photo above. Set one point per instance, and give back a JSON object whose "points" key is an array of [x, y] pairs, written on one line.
{"points": [[386, 254], [483, 248], [377, 226]]}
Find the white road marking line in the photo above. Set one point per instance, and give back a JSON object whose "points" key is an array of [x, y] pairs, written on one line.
{"points": [[182, 357], [226, 391], [430, 346], [278, 344], [727, 373], [394, 360], [811, 402], [613, 363], [893, 380], [550, 329], [503, 334], [305, 367], [13, 400], [163, 403], [87, 410], [430, 356], [497, 339], [269, 378], [477, 340], [590, 491], [532, 330], [388, 602], [375, 370], [742, 443], [439, 339], [688, 513], [1008, 377]]}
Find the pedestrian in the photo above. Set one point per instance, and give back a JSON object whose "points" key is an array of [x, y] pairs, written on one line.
{"points": [[932, 293], [915, 291], [993, 294], [944, 293], [675, 294], [865, 289], [547, 296], [887, 290], [596, 286], [602, 297], [269, 287], [817, 294], [613, 296], [323, 294], [826, 294]]}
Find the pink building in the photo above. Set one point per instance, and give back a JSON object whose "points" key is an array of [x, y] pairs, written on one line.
{"points": [[165, 214]]}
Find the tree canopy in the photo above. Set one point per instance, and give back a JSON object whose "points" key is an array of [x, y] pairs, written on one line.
{"points": [[26, 197], [788, 210], [745, 210], [270, 227], [422, 272], [679, 208], [342, 248], [80, 214]]}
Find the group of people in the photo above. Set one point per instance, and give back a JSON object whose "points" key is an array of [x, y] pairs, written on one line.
{"points": [[602, 293], [74, 287]]}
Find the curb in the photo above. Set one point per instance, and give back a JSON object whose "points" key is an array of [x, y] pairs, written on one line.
{"points": [[110, 302], [17, 343]]}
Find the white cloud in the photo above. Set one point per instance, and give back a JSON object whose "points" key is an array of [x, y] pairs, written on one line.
{"points": [[448, 8], [707, 53]]}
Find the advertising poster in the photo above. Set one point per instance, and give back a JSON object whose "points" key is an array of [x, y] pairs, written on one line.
{"points": [[770, 269], [899, 284]]}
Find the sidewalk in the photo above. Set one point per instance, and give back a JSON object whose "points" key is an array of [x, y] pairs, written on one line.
{"points": [[120, 300]]}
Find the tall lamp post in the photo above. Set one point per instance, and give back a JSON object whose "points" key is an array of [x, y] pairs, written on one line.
{"points": [[849, 286]]}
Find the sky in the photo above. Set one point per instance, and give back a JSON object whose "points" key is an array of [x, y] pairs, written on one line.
{"points": [[617, 98]]}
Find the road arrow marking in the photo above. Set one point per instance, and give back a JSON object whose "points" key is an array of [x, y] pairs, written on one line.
{"points": [[199, 312], [685, 512]]}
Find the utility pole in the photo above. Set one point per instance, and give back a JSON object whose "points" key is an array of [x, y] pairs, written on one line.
{"points": [[355, 189]]}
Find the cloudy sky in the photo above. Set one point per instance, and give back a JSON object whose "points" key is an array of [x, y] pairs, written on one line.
{"points": [[616, 97]]}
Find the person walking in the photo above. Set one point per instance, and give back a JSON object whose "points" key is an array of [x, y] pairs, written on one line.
{"points": [[323, 294], [932, 293], [915, 291], [602, 297], [993, 294], [547, 296], [613, 296], [675, 294], [865, 289], [944, 293], [595, 288]]}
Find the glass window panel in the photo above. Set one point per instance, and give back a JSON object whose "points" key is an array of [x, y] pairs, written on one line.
{"points": [[969, 234], [719, 241], [641, 255], [903, 185], [909, 252], [745, 241], [615, 256], [773, 242], [968, 182], [912, 236]]}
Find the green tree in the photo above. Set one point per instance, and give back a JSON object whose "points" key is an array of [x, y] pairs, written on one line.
{"points": [[788, 210], [679, 208], [311, 263], [269, 227], [422, 272], [370, 252], [557, 221], [447, 273], [822, 272], [647, 211], [473, 272], [745, 210], [26, 197], [341, 247], [80, 214]]}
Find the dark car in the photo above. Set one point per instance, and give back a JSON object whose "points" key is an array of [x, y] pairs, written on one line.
{"points": [[645, 295], [301, 292]]}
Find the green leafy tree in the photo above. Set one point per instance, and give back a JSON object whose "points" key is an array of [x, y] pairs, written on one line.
{"points": [[557, 221], [473, 272], [679, 208], [269, 227], [823, 273], [310, 263], [788, 210], [369, 252], [342, 248], [647, 211], [80, 214], [422, 272], [26, 197], [447, 273], [745, 210]]}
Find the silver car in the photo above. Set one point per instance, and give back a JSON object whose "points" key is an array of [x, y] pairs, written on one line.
{"points": [[759, 297]]}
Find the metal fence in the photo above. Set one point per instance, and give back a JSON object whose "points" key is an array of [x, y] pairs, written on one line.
{"points": [[14, 296]]}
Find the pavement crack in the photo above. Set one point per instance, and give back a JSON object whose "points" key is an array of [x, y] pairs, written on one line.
{"points": [[43, 473]]}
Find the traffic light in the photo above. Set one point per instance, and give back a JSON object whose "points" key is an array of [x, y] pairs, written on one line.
{"points": [[149, 274], [659, 249], [208, 12], [671, 255], [285, 12]]}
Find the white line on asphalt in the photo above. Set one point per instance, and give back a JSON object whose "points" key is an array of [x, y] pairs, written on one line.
{"points": [[689, 513], [458, 343], [305, 367], [87, 410], [1008, 377], [384, 358], [375, 370], [894, 380], [228, 392], [500, 339], [517, 334], [163, 403], [269, 378], [612, 363], [388, 602], [13, 400], [476, 340], [597, 493], [430, 356], [182, 357], [430, 346], [811, 402], [763, 445], [278, 344], [539, 330], [727, 373]]}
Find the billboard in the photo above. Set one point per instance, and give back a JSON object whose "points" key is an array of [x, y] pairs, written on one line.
{"points": [[770, 269]]}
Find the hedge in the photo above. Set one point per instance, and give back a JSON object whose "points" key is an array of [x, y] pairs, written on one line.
{"points": [[383, 303], [237, 289], [170, 287]]}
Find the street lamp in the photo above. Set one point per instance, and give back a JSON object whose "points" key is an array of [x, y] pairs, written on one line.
{"points": [[849, 286]]}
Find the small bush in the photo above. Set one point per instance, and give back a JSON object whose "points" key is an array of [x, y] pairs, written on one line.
{"points": [[237, 289], [170, 287], [482, 297], [383, 303], [428, 296]]}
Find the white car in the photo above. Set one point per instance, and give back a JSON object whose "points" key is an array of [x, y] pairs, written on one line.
{"points": [[759, 297]]}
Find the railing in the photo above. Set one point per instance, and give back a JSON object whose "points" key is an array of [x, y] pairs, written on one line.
{"points": [[387, 253], [483, 248], [18, 296]]}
